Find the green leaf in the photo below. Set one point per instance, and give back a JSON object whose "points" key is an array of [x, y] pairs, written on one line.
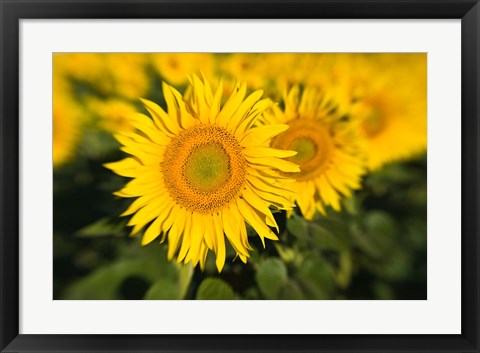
{"points": [[271, 277], [316, 275], [148, 263], [298, 227], [416, 232], [325, 239], [380, 224], [383, 291], [164, 289], [286, 254], [352, 205], [251, 294], [365, 242], [214, 289], [101, 228], [292, 291], [344, 273], [398, 267], [398, 173], [104, 282], [335, 225]]}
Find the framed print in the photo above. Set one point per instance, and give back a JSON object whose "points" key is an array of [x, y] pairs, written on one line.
{"points": [[239, 176]]}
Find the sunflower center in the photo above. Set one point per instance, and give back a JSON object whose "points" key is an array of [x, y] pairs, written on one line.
{"points": [[207, 168], [374, 122], [204, 168], [313, 144], [305, 148]]}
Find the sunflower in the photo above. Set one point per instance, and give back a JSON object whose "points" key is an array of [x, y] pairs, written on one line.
{"points": [[175, 67], [329, 149], [127, 73], [246, 67], [200, 171], [392, 109], [87, 68], [113, 113], [66, 123]]}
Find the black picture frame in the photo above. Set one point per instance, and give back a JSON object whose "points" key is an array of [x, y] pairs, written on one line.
{"points": [[13, 10]]}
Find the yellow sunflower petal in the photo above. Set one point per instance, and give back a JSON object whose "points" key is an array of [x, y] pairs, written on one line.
{"points": [[175, 233], [128, 167], [210, 233], [243, 109], [231, 106], [258, 152], [260, 204], [196, 238], [152, 232], [215, 108], [262, 134], [255, 221], [146, 125], [273, 162], [186, 239], [232, 232], [220, 239], [163, 120]]}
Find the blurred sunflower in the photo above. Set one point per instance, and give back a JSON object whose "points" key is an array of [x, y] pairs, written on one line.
{"points": [[392, 110], [114, 113], [329, 149], [84, 67], [66, 123], [127, 73], [200, 171], [245, 67], [175, 68]]}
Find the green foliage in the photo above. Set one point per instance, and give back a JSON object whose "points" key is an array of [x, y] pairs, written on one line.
{"points": [[171, 288], [104, 282], [298, 227], [292, 291], [163, 289], [316, 276], [380, 224], [344, 274], [323, 238], [214, 289], [102, 227], [147, 267], [271, 276]]}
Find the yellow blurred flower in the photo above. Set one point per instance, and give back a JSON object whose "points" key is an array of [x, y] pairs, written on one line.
{"points": [[200, 171], [392, 109], [244, 67], [175, 68], [288, 70], [114, 114], [272, 72], [127, 71], [67, 117], [84, 67], [329, 150]]}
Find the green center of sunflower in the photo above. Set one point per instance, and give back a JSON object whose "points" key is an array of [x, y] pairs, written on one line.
{"points": [[305, 148], [207, 168], [313, 143], [373, 123]]}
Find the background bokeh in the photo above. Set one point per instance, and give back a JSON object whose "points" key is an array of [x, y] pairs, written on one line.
{"points": [[375, 248]]}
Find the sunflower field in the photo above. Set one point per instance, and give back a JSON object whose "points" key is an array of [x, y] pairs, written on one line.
{"points": [[279, 176]]}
